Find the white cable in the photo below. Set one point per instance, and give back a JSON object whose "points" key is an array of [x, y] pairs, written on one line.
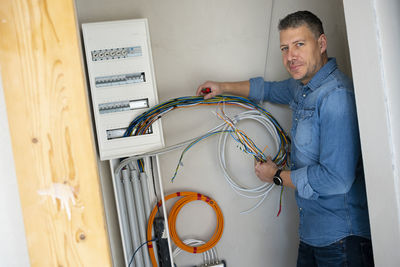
{"points": [[209, 256], [243, 190], [127, 161], [216, 259]]}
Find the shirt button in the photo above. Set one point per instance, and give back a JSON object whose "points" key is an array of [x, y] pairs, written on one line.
{"points": [[304, 95], [300, 209]]}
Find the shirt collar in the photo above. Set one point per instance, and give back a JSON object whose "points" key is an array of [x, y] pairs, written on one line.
{"points": [[322, 74]]}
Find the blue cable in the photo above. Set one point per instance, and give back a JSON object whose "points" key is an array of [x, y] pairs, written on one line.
{"points": [[134, 253]]}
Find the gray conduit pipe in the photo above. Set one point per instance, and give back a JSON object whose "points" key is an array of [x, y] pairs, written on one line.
{"points": [[130, 203], [126, 233], [142, 221]]}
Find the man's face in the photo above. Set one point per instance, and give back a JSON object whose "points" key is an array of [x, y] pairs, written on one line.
{"points": [[302, 52]]}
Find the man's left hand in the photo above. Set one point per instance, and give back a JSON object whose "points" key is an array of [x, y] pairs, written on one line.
{"points": [[265, 171]]}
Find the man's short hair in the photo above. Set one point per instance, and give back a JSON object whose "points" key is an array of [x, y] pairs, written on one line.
{"points": [[301, 18]]}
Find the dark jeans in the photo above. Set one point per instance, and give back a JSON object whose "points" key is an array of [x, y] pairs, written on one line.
{"points": [[351, 251]]}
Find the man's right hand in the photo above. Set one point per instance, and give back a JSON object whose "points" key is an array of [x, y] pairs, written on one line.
{"points": [[209, 89]]}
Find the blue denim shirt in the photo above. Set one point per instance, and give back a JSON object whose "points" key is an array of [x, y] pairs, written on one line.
{"points": [[325, 154]]}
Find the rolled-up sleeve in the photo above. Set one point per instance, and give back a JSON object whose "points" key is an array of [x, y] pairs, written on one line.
{"points": [[300, 180]]}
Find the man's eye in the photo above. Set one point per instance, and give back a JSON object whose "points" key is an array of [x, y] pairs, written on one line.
{"points": [[284, 49], [299, 44]]}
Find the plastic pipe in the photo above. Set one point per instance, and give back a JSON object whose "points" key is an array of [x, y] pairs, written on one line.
{"points": [[142, 221], [130, 201], [126, 239], [148, 168], [146, 196]]}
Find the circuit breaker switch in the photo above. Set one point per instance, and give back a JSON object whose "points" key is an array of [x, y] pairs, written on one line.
{"points": [[116, 53], [126, 105], [120, 79], [137, 104]]}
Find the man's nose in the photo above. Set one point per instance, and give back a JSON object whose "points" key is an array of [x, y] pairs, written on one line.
{"points": [[291, 55]]}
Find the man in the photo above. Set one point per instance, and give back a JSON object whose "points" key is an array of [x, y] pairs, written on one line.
{"points": [[325, 168]]}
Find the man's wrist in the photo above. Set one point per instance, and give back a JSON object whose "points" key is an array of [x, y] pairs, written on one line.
{"points": [[224, 87], [277, 178]]}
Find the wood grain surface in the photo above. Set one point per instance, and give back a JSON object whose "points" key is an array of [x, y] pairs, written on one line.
{"points": [[52, 139]]}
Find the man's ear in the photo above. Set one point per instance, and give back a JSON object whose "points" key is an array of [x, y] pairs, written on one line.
{"points": [[323, 43]]}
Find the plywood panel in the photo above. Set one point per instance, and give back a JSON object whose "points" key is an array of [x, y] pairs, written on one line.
{"points": [[50, 128]]}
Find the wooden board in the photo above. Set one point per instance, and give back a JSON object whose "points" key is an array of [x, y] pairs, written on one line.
{"points": [[48, 113]]}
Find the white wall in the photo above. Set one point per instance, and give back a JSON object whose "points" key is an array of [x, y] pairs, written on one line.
{"points": [[13, 247], [374, 42], [194, 41], [186, 57]]}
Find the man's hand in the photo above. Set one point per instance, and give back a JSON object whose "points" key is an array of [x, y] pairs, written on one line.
{"points": [[265, 171], [209, 89]]}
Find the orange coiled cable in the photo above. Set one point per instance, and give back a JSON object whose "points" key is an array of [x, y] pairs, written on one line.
{"points": [[186, 198]]}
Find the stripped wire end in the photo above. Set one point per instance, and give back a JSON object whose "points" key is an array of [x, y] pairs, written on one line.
{"points": [[280, 202], [173, 177]]}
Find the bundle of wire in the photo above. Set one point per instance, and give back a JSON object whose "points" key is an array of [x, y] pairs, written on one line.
{"points": [[141, 124], [210, 257], [262, 190]]}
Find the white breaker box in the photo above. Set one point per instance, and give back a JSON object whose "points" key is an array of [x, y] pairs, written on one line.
{"points": [[122, 84]]}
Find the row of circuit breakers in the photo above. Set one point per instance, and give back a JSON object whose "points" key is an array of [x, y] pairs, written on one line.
{"points": [[122, 85]]}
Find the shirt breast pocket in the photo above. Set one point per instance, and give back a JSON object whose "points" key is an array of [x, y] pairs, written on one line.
{"points": [[304, 131]]}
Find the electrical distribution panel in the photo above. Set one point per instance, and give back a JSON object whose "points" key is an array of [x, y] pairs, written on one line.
{"points": [[122, 84]]}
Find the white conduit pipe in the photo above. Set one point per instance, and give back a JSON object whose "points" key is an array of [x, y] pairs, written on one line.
{"points": [[130, 203], [142, 221], [126, 233], [150, 173], [146, 196]]}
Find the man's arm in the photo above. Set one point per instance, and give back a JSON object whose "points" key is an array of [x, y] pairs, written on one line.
{"points": [[219, 88], [256, 89]]}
